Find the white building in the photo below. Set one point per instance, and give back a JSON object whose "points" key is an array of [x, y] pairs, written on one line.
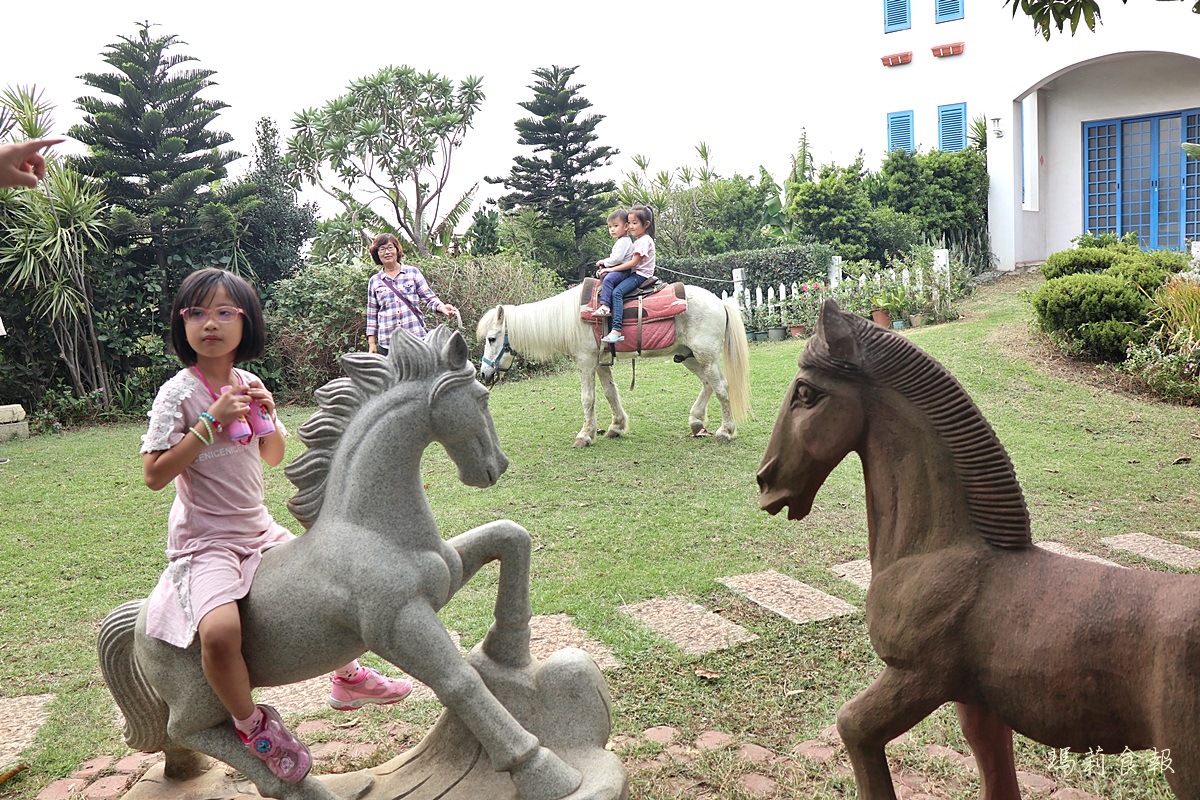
{"points": [[1083, 131]]}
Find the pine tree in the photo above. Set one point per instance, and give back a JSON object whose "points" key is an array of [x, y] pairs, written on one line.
{"points": [[270, 225], [150, 148], [554, 185]]}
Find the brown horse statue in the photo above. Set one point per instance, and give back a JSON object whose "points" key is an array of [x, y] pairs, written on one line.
{"points": [[962, 607]]}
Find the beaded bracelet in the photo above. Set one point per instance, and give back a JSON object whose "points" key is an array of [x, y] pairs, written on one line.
{"points": [[212, 437], [200, 437], [210, 418]]}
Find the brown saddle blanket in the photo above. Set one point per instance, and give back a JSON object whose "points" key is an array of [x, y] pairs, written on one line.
{"points": [[658, 301]]}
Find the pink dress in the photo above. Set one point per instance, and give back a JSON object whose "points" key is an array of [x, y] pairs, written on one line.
{"points": [[219, 526]]}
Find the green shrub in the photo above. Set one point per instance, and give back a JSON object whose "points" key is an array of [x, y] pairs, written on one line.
{"points": [[1078, 260], [1126, 244], [1169, 374], [1140, 269], [1096, 315], [892, 231]]}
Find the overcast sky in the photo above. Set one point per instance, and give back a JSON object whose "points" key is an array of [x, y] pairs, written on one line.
{"points": [[666, 75]]}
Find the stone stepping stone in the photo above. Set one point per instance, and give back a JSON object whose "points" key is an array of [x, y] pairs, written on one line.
{"points": [[1157, 549], [788, 597], [20, 718], [692, 628], [857, 572], [1066, 550], [552, 632]]}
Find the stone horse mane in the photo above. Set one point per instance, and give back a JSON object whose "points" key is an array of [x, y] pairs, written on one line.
{"points": [[995, 502], [368, 375]]}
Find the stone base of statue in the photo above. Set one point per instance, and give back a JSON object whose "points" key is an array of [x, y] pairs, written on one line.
{"points": [[562, 700]]}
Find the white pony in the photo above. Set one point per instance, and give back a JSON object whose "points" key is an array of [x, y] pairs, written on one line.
{"points": [[709, 332]]}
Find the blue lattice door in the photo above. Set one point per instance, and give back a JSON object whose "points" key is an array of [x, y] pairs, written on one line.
{"points": [[1137, 179]]}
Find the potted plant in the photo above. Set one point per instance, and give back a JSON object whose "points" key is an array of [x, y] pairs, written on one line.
{"points": [[888, 306], [803, 307], [758, 319], [920, 307]]}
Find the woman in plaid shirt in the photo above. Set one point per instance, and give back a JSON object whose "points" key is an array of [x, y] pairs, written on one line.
{"points": [[394, 294]]}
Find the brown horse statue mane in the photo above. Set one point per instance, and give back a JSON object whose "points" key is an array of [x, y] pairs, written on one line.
{"points": [[995, 501]]}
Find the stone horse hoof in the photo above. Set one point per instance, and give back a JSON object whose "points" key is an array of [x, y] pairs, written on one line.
{"points": [[545, 776]]}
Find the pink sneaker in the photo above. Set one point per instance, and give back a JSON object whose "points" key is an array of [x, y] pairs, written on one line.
{"points": [[287, 757], [371, 687]]}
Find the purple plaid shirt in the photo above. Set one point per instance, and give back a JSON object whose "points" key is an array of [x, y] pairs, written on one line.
{"points": [[386, 312]]}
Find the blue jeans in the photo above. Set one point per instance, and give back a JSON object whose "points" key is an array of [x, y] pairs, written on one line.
{"points": [[619, 291], [608, 283]]}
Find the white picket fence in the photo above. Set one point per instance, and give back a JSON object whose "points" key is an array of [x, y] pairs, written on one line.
{"points": [[775, 297]]}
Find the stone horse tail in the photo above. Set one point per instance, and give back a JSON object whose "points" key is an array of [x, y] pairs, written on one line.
{"points": [[145, 712]]}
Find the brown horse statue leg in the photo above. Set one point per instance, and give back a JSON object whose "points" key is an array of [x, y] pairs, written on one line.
{"points": [[991, 743], [897, 700]]}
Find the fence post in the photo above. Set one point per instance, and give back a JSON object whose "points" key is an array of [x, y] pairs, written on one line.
{"points": [[835, 271], [941, 263]]}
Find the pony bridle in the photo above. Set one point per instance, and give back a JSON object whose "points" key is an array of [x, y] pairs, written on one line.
{"points": [[503, 360]]}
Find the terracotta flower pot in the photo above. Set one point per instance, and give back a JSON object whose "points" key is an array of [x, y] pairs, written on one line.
{"points": [[881, 317]]}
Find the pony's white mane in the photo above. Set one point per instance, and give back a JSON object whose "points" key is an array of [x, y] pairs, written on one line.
{"points": [[541, 330]]}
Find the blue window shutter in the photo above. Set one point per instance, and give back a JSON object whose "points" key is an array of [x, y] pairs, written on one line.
{"points": [[947, 10], [900, 131], [952, 127], [897, 15]]}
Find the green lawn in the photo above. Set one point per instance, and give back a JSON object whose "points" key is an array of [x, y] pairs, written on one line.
{"points": [[656, 513]]}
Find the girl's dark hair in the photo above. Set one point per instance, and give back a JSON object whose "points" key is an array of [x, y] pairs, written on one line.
{"points": [[646, 215], [379, 242], [620, 213], [196, 289]]}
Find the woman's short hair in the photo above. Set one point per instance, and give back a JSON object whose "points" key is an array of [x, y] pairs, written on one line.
{"points": [[195, 291], [379, 242]]}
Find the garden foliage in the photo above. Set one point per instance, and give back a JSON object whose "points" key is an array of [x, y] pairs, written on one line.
{"points": [[1100, 298], [1092, 314]]}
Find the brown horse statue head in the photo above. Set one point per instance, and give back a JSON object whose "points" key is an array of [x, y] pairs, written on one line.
{"points": [[863, 388]]}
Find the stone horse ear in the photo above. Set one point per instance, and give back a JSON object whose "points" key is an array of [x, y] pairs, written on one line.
{"points": [[837, 333], [455, 352]]}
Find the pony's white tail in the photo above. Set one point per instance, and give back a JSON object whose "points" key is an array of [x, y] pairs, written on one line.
{"points": [[736, 355], [145, 712]]}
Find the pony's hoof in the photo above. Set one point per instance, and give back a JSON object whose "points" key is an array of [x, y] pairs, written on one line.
{"points": [[723, 435], [582, 442], [612, 433]]}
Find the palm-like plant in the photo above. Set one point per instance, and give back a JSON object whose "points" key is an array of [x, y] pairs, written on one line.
{"points": [[47, 233]]}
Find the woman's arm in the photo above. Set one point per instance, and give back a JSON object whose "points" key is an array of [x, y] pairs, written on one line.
{"points": [[372, 316]]}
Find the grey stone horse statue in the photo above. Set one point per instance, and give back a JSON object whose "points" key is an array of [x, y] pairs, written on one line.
{"points": [[370, 574]]}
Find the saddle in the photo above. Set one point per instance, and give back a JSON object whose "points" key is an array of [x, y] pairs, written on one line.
{"points": [[648, 316]]}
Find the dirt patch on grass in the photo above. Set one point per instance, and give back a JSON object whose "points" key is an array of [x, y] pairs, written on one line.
{"points": [[1029, 344]]}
